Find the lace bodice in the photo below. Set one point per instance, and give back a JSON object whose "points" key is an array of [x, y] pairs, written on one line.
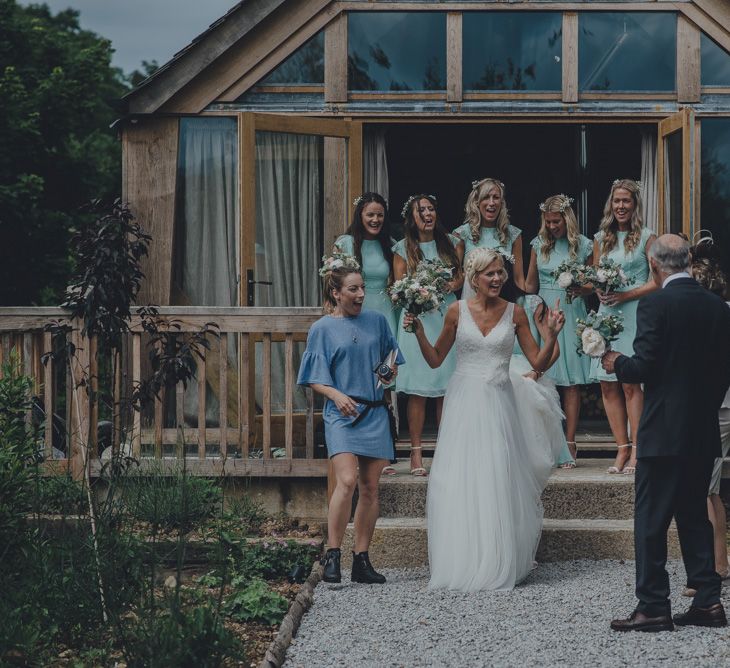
{"points": [[487, 357]]}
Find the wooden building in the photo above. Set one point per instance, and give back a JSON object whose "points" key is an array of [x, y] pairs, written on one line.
{"points": [[242, 156]]}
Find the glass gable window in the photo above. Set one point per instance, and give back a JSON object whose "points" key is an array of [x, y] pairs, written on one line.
{"points": [[396, 51], [512, 51], [629, 51], [715, 63], [304, 67]]}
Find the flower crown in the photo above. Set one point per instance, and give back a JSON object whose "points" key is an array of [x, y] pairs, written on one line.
{"points": [[337, 261], [565, 202], [507, 257], [639, 184], [409, 202], [475, 184], [359, 199]]}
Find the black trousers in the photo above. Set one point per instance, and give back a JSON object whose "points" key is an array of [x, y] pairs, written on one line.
{"points": [[666, 488]]}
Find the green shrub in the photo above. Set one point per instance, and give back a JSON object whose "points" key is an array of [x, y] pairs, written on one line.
{"points": [[256, 602], [179, 501], [194, 637], [60, 495], [246, 513]]}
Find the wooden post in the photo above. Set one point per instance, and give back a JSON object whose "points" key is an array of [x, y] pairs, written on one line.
{"points": [[688, 61], [570, 57], [80, 404], [454, 86], [335, 60]]}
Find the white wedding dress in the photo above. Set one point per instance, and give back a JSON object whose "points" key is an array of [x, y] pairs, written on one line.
{"points": [[492, 461]]}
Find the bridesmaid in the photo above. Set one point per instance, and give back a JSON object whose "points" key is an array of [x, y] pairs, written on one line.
{"points": [[623, 238], [425, 238], [487, 226], [368, 240], [559, 239]]}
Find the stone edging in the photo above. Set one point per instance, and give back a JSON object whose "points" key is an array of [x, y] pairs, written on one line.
{"points": [[276, 654]]}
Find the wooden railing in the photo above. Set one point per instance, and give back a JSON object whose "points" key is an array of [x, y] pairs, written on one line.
{"points": [[252, 432]]}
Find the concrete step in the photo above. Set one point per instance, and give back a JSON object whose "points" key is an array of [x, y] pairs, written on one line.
{"points": [[402, 542], [586, 492]]}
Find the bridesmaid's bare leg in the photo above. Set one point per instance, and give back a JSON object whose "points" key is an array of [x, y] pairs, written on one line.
{"points": [[613, 402]]}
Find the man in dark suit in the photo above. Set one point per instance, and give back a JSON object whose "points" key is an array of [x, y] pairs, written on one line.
{"points": [[682, 355]]}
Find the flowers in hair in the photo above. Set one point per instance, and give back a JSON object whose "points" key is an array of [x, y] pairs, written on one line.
{"points": [[359, 200], [337, 261], [507, 257], [409, 202], [565, 202], [475, 184], [639, 184]]}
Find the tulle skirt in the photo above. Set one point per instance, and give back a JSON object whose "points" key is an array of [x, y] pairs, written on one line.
{"points": [[491, 465]]}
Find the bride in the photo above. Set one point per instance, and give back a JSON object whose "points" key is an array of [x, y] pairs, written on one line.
{"points": [[483, 510]]}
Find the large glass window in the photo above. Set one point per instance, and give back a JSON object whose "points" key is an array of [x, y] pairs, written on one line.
{"points": [[715, 63], [628, 51], [396, 51], [715, 187], [512, 51], [304, 66]]}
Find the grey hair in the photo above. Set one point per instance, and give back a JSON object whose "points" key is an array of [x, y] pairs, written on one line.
{"points": [[671, 258]]}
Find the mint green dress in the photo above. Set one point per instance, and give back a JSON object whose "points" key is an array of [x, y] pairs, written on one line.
{"points": [[634, 264], [570, 368], [375, 273], [416, 377]]}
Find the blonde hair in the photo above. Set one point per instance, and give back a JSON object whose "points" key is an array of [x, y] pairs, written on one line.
{"points": [[333, 280], [474, 217], [559, 204], [609, 226], [479, 259]]}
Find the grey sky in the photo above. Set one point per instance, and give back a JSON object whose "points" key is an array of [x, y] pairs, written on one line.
{"points": [[144, 29]]}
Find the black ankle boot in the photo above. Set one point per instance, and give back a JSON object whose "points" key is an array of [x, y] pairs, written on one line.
{"points": [[331, 561], [363, 571]]}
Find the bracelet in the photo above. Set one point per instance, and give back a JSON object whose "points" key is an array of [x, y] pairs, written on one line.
{"points": [[539, 373]]}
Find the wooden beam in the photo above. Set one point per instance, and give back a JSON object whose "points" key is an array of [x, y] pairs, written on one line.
{"points": [[241, 57], [688, 131], [336, 204], [149, 168], [454, 49], [695, 12], [503, 5], [354, 161], [335, 60], [688, 60], [171, 78], [570, 57], [278, 56]]}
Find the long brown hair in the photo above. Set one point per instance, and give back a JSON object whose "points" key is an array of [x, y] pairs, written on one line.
{"points": [[479, 192], [333, 280], [356, 230], [444, 247], [559, 204], [609, 226]]}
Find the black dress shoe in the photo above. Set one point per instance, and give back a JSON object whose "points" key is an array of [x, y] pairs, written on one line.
{"points": [[638, 621], [331, 562], [713, 616], [363, 571]]}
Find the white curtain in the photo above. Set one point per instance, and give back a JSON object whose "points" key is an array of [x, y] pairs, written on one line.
{"points": [[207, 211], [375, 176], [649, 179], [289, 231], [207, 233]]}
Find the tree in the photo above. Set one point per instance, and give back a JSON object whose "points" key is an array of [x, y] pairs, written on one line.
{"points": [[57, 150]]}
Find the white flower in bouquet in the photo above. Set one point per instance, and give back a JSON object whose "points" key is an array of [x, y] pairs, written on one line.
{"points": [[602, 276], [596, 332], [565, 279], [422, 291], [594, 345]]}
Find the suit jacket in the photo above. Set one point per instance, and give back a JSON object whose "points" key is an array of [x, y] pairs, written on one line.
{"points": [[682, 355]]}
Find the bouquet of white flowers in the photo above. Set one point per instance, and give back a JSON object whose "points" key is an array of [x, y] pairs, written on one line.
{"points": [[609, 275], [568, 274], [337, 260], [596, 332], [422, 291]]}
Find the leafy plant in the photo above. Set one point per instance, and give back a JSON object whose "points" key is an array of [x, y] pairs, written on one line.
{"points": [[256, 602], [179, 637], [59, 494], [178, 501], [247, 513]]}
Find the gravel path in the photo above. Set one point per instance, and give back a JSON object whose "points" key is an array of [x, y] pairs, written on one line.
{"points": [[558, 616]]}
